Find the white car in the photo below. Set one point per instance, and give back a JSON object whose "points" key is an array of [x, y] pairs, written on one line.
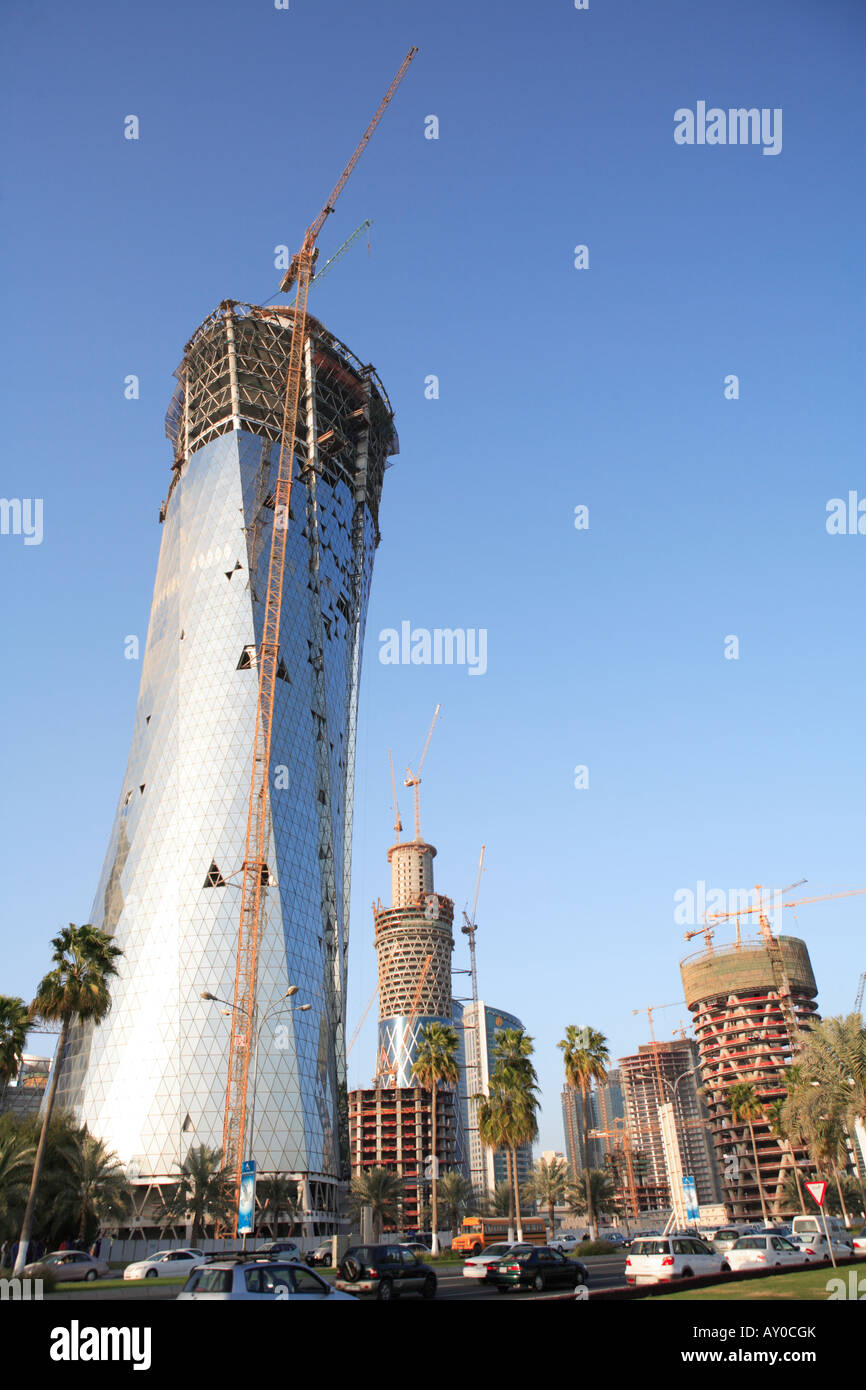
{"points": [[477, 1265], [656, 1259], [259, 1281], [860, 1244], [165, 1264], [565, 1242], [768, 1250], [812, 1227]]}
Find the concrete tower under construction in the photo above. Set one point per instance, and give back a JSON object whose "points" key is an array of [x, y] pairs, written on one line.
{"points": [[151, 1081], [749, 1002]]}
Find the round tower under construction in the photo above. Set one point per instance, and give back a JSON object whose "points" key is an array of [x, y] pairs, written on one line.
{"points": [[750, 1001]]}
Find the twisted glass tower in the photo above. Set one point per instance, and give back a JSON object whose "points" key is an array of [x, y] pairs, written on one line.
{"points": [[151, 1080]]}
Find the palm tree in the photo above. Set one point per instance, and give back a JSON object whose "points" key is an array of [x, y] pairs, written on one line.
{"points": [[456, 1195], [549, 1183], [833, 1062], [91, 1183], [14, 1022], [745, 1104], [586, 1055], [492, 1118], [435, 1062], [77, 988], [381, 1190], [515, 1079], [203, 1194], [775, 1114], [16, 1156], [279, 1197], [600, 1198]]}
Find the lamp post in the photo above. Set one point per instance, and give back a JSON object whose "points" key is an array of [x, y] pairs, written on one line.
{"points": [[279, 1006]]}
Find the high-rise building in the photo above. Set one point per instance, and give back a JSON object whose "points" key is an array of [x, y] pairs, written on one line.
{"points": [[665, 1073], [151, 1080], [749, 1002], [414, 945], [479, 1025], [606, 1106]]}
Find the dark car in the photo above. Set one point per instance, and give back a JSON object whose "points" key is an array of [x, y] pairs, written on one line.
{"points": [[386, 1271], [538, 1268]]}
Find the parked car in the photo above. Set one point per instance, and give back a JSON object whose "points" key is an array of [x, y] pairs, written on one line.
{"points": [[322, 1255], [257, 1281], [66, 1266], [859, 1243], [540, 1267], [656, 1259], [476, 1266], [416, 1246], [615, 1238], [386, 1271], [767, 1250], [165, 1264], [565, 1242]]}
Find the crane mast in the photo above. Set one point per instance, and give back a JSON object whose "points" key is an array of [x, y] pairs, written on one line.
{"points": [[255, 873]]}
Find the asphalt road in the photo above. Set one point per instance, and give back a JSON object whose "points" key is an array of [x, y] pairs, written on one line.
{"points": [[605, 1272]]}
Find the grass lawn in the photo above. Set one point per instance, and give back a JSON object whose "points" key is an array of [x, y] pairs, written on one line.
{"points": [[804, 1285], [91, 1285]]}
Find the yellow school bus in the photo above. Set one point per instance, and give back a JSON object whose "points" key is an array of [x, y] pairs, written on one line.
{"points": [[477, 1232]]}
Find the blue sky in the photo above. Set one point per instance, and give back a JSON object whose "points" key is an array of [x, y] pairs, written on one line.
{"points": [[558, 387]]}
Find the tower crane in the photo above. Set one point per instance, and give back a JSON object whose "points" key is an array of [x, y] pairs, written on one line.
{"points": [[860, 988], [341, 251], [398, 824], [255, 876], [413, 780], [470, 927]]}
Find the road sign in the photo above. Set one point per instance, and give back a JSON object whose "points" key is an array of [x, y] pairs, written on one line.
{"points": [[817, 1190]]}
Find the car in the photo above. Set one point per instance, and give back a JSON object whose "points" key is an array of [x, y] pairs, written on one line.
{"points": [[615, 1238], [258, 1281], [286, 1249], [767, 1250], [859, 1243], [322, 1255], [813, 1228], [656, 1259], [565, 1242], [65, 1266], [539, 1267], [387, 1271], [165, 1264], [727, 1236], [476, 1266], [416, 1246]]}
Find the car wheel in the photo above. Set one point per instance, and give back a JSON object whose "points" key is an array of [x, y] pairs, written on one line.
{"points": [[429, 1289], [725, 1269], [151, 1274], [538, 1283], [687, 1274], [90, 1276], [385, 1290]]}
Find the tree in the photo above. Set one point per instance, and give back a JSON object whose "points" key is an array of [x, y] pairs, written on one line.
{"points": [[515, 1082], [585, 1055], [456, 1196], [775, 1115], [76, 989], [435, 1062], [745, 1104], [278, 1197], [14, 1022], [832, 1063], [92, 1187], [16, 1156], [596, 1196], [549, 1184], [203, 1195], [381, 1191]]}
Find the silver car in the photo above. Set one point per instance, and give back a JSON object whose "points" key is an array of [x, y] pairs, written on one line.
{"points": [[66, 1266], [258, 1281]]}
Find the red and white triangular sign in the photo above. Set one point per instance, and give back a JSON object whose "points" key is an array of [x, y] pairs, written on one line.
{"points": [[817, 1190]]}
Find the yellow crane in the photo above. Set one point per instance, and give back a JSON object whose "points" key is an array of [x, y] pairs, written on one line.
{"points": [[255, 874]]}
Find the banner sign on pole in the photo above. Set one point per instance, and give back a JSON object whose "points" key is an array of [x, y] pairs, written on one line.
{"points": [[690, 1194], [247, 1203]]}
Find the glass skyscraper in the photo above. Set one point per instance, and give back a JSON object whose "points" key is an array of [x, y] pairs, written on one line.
{"points": [[151, 1080]]}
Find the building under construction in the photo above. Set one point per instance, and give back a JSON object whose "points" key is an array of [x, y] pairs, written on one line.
{"points": [[749, 1001], [151, 1080], [665, 1074]]}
